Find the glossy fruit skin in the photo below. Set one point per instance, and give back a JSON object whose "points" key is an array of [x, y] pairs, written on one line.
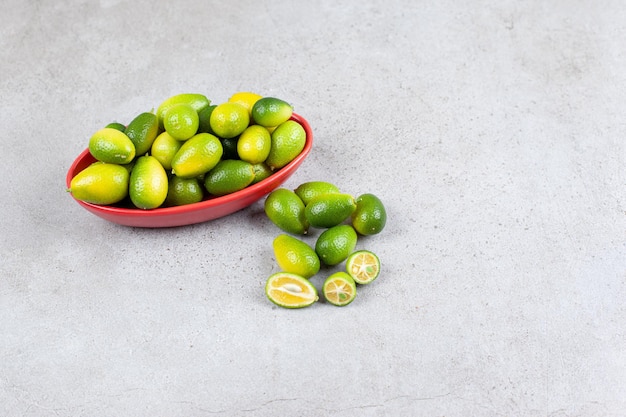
{"points": [[261, 172], [254, 144], [111, 146], [117, 126], [246, 99], [329, 210], [288, 140], [183, 191], [197, 156], [205, 211], [285, 209], [100, 183], [204, 119], [181, 121], [295, 256], [335, 244], [164, 148], [228, 176], [195, 100], [370, 216], [142, 131], [271, 111], [311, 189], [229, 120], [148, 184]]}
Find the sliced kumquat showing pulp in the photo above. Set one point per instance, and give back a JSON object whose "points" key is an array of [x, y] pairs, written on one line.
{"points": [[363, 266], [290, 290], [339, 289]]}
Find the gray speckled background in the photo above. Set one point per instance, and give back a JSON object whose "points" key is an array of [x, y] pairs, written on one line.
{"points": [[493, 131]]}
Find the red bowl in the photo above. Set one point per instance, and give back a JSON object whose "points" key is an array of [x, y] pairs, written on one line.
{"points": [[203, 211]]}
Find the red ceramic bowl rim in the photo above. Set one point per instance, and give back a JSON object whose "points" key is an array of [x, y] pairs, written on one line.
{"points": [[262, 187]]}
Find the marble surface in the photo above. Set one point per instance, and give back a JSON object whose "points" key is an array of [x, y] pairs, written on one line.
{"points": [[493, 131]]}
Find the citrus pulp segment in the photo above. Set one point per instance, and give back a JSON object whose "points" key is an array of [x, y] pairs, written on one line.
{"points": [[339, 289], [290, 290], [363, 266]]}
